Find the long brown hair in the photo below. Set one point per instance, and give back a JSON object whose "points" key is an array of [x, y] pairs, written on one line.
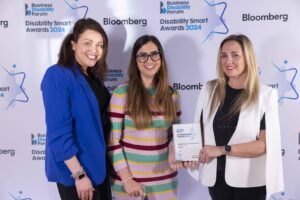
{"points": [[250, 93], [138, 98], [66, 56]]}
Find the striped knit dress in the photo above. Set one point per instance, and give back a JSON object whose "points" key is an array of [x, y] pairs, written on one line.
{"points": [[144, 152]]}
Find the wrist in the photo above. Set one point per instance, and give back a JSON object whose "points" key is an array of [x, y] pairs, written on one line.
{"points": [[227, 149], [127, 179], [79, 174]]}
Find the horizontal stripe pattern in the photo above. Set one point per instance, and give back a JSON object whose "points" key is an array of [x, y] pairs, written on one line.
{"points": [[144, 152]]}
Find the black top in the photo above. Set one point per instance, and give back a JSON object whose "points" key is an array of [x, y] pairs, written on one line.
{"points": [[224, 128], [103, 97]]}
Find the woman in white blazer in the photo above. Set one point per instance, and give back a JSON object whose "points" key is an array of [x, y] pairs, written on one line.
{"points": [[241, 134]]}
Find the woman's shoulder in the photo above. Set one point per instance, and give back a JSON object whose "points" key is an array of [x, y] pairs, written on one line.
{"points": [[211, 83], [121, 88], [209, 86], [57, 69]]}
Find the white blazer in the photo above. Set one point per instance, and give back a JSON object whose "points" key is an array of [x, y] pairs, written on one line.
{"points": [[246, 172]]}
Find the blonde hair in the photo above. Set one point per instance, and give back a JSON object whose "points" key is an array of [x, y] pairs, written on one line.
{"points": [[138, 98], [250, 93]]}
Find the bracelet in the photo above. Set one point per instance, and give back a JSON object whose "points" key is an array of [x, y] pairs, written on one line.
{"points": [[79, 174], [127, 179]]}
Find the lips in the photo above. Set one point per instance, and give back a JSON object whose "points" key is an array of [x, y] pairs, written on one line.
{"points": [[92, 57], [149, 66], [230, 67]]}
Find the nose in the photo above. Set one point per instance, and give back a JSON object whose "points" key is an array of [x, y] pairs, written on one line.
{"points": [[93, 48], [229, 59]]}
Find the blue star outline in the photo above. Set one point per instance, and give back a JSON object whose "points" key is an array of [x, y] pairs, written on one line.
{"points": [[74, 8], [221, 19], [291, 83], [21, 88]]}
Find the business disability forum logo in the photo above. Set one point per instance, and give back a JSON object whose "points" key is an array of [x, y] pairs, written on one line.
{"points": [[38, 9], [180, 16], [48, 17], [114, 78], [174, 7], [12, 90], [38, 141], [282, 78]]}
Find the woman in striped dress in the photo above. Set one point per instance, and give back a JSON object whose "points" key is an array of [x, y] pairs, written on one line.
{"points": [[142, 112]]}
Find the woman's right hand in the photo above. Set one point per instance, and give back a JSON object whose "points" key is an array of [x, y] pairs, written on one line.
{"points": [[84, 188], [191, 164], [133, 188]]}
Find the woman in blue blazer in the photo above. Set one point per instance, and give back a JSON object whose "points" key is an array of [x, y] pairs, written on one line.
{"points": [[76, 101]]}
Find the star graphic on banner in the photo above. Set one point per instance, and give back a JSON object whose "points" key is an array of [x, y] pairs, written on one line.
{"points": [[19, 197], [10, 90], [282, 78], [75, 7], [215, 20], [278, 196], [293, 72]]}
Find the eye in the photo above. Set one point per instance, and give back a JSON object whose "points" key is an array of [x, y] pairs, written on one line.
{"points": [[142, 55], [87, 44], [235, 55], [224, 56], [100, 45], [154, 53]]}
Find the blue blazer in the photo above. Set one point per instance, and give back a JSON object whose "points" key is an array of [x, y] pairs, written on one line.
{"points": [[73, 125]]}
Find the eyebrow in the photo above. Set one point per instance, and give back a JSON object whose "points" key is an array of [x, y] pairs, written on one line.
{"points": [[92, 40], [230, 52], [149, 52]]}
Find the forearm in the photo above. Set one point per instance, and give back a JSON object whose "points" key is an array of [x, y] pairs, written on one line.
{"points": [[247, 150], [73, 164]]}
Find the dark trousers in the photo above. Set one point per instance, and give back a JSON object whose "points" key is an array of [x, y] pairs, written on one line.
{"points": [[102, 191], [222, 191]]}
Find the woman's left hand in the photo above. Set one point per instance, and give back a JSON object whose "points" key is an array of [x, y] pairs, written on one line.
{"points": [[208, 153], [175, 165]]}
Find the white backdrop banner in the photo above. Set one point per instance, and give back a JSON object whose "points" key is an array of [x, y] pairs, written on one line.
{"points": [[190, 31]]}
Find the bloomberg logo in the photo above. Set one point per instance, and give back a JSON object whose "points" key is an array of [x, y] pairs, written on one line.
{"points": [[10, 152], [265, 17], [4, 23], [128, 21], [180, 86]]}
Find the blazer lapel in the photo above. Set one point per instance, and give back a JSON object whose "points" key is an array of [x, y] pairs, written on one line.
{"points": [[88, 92]]}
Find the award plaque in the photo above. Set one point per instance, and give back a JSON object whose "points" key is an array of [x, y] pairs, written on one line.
{"points": [[187, 141]]}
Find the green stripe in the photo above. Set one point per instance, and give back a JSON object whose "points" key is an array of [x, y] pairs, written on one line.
{"points": [[146, 158], [117, 157], [151, 91], [151, 189], [121, 89], [117, 125], [154, 124]]}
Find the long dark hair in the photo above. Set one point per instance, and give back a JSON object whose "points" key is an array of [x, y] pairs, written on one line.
{"points": [[138, 99], [66, 54]]}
